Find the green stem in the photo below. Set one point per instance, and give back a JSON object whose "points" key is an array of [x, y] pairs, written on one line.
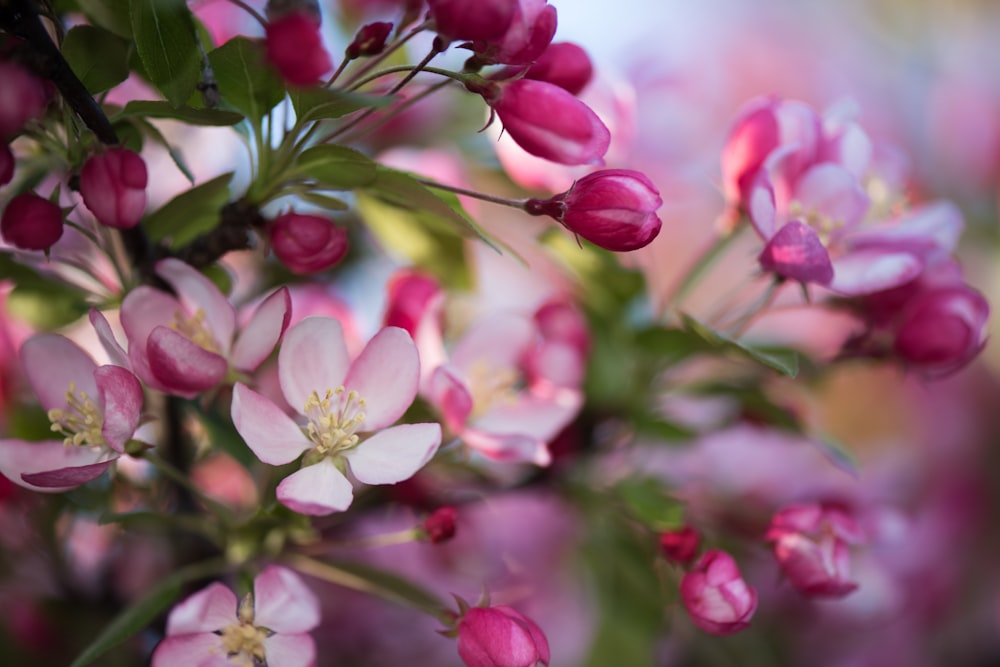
{"points": [[493, 199], [370, 542], [738, 327], [389, 50], [430, 90], [702, 263], [176, 476]]}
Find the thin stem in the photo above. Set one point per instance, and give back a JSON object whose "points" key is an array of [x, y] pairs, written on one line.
{"points": [[738, 327], [340, 70], [422, 65], [369, 542], [430, 90], [698, 268], [493, 199], [251, 11], [389, 50]]}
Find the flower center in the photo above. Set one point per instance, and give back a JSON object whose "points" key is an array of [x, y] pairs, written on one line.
{"points": [[80, 422], [334, 418], [244, 643], [824, 225], [491, 385], [193, 327]]}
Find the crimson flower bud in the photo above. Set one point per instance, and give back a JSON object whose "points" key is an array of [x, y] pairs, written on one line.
{"points": [[6, 164], [942, 329], [472, 20], [549, 122], [612, 208], [113, 186], [681, 545], [31, 223], [370, 40], [295, 48], [500, 637], [22, 97], [412, 296], [307, 243], [563, 64], [715, 595], [440, 524]]}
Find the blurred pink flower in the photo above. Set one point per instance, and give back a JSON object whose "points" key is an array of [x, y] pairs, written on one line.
{"points": [[295, 48], [31, 222], [715, 595], [24, 98], [500, 636], [680, 545], [113, 186]]}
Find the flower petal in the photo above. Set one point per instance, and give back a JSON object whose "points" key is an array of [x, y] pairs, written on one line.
{"points": [[50, 466], [263, 331], [182, 367], [283, 603], [395, 454], [197, 650], [120, 397], [196, 292], [210, 609], [290, 650], [832, 191], [144, 309], [386, 375], [535, 416], [795, 252], [313, 357], [450, 396], [868, 271], [508, 447], [500, 341], [108, 341], [272, 435], [52, 362], [317, 490]]}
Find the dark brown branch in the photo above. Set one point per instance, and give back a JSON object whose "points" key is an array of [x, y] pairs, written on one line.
{"points": [[236, 220]]}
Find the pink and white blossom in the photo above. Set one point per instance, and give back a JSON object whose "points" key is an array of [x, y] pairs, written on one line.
{"points": [[715, 595], [346, 413], [501, 636]]}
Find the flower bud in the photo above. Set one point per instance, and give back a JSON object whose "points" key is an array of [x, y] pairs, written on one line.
{"points": [[31, 223], [440, 524], [295, 48], [942, 329], [22, 97], [681, 545], [6, 164], [500, 637], [612, 208], [715, 595], [549, 122], [307, 243], [113, 186], [370, 40], [529, 34], [472, 20], [412, 295], [563, 64]]}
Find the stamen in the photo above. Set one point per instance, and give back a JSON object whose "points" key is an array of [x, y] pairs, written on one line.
{"points": [[490, 385], [81, 422], [334, 419], [193, 327]]}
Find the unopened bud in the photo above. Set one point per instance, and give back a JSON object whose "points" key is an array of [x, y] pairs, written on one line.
{"points": [[6, 164], [113, 186], [681, 545], [295, 48], [307, 243], [440, 525], [370, 40], [22, 97], [31, 223]]}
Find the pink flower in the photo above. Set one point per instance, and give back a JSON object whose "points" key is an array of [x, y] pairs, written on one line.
{"points": [[31, 222], [295, 48], [564, 64], [472, 20], [23, 98], [715, 595], [548, 122], [184, 344], [612, 208], [500, 637], [307, 243], [439, 526], [529, 34], [369, 40], [811, 544], [681, 545], [271, 625], [347, 409], [113, 186], [96, 409]]}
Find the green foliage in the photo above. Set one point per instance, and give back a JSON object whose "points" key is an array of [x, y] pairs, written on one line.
{"points": [[783, 361], [99, 58], [112, 15], [183, 113], [190, 213], [164, 34], [335, 167], [246, 81], [312, 104], [45, 302], [648, 501]]}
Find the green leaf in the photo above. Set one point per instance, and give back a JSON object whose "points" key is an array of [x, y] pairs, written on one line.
{"points": [[185, 114], [190, 213], [246, 81], [150, 130], [112, 15], [782, 360], [136, 617], [335, 167], [164, 35], [42, 301], [838, 454], [312, 104], [99, 58], [324, 201], [648, 501]]}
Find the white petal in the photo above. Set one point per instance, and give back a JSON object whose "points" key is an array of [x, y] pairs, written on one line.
{"points": [[386, 375], [317, 490], [395, 454], [272, 435], [313, 357], [283, 603]]}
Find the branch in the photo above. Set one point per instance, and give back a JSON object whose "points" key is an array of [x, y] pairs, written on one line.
{"points": [[236, 220]]}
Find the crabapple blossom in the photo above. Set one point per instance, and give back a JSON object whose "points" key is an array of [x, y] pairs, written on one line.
{"points": [[7, 163], [564, 64], [472, 20], [31, 222], [715, 595], [95, 408], [529, 34], [113, 186], [439, 526], [369, 40], [24, 98], [811, 543], [348, 409], [680, 545], [185, 344], [307, 243], [500, 636], [271, 625], [295, 48]]}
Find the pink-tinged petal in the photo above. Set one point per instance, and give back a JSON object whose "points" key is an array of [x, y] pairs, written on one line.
{"points": [[508, 447], [108, 341], [196, 292], [753, 136], [868, 271], [850, 148], [833, 192], [761, 207], [925, 230], [394, 454], [144, 309], [182, 367], [313, 357], [318, 489], [801, 129], [52, 362], [290, 650], [210, 609], [271, 434], [795, 252], [386, 375], [194, 650], [120, 396], [50, 466], [263, 331], [538, 417], [283, 603], [500, 341], [450, 396]]}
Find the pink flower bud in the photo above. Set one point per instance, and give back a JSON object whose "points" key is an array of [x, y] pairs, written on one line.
{"points": [[31, 223], [529, 34], [612, 208], [6, 164], [22, 97], [549, 122], [295, 48], [715, 595], [440, 525], [307, 243], [564, 64], [370, 40], [411, 295], [500, 637], [472, 20], [681, 545], [942, 329], [113, 186]]}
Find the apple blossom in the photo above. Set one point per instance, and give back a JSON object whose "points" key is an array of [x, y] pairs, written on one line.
{"points": [[564, 64], [369, 40], [269, 626], [341, 401], [439, 526], [113, 186], [474, 20], [500, 636], [295, 48], [31, 222], [715, 595], [24, 98], [529, 34], [680, 545], [307, 243]]}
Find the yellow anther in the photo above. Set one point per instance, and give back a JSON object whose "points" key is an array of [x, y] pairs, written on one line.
{"points": [[490, 386], [193, 327], [81, 422], [334, 419]]}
